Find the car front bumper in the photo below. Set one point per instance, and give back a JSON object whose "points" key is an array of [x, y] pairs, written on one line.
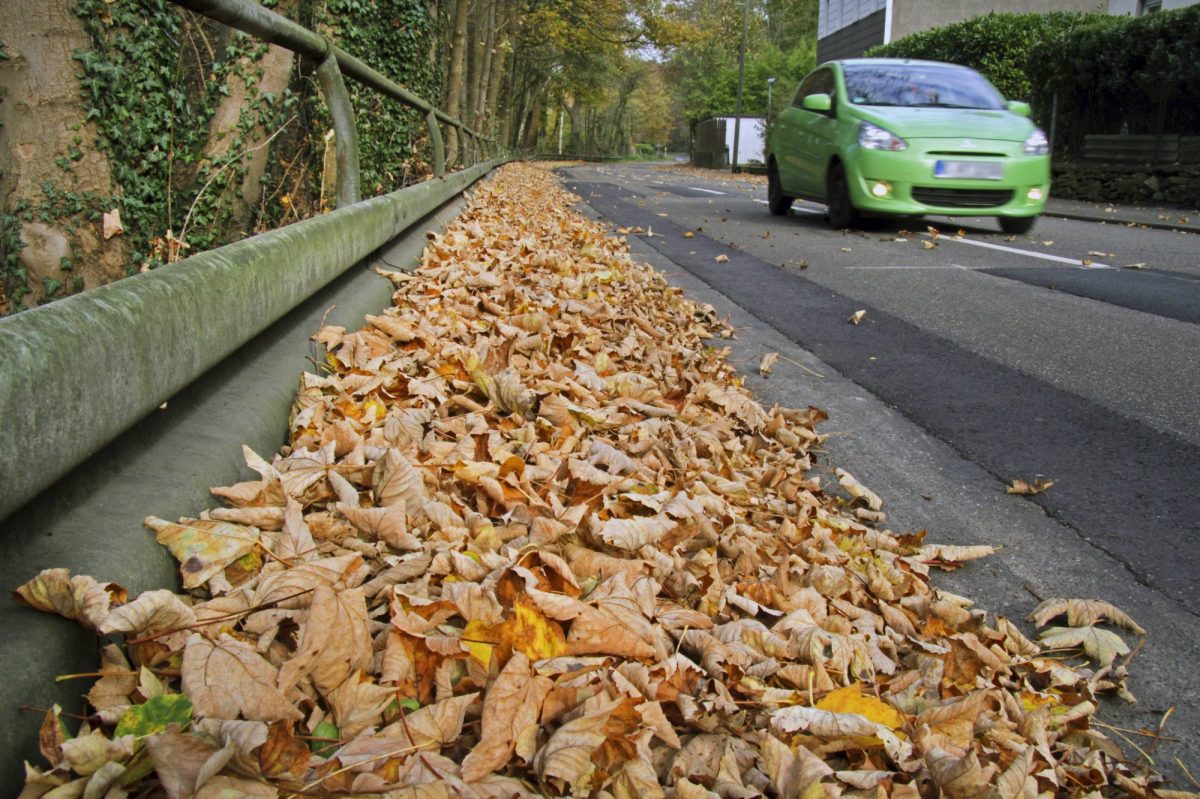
{"points": [[904, 182]]}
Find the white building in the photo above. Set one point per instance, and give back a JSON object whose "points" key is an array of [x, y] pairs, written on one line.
{"points": [[847, 28]]}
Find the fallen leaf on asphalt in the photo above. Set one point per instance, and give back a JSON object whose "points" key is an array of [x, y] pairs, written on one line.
{"points": [[1010, 238], [722, 258], [929, 245], [767, 363], [845, 249], [934, 232], [1086, 261], [1047, 243], [1080, 612], [1019, 486], [1100, 254], [857, 317], [1102, 645], [766, 234], [687, 234], [960, 234], [531, 536], [1141, 265]]}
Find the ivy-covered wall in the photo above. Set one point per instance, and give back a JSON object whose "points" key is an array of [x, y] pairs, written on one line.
{"points": [[176, 105]]}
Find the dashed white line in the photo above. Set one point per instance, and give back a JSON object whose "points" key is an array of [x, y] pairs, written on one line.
{"points": [[1044, 256], [707, 191]]}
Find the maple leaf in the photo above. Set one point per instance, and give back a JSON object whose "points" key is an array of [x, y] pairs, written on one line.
{"points": [[203, 547], [1101, 645], [226, 678], [510, 714], [1019, 486], [151, 612], [80, 597], [334, 643], [1081, 612]]}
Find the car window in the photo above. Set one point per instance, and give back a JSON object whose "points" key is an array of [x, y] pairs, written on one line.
{"points": [[819, 82], [919, 85]]}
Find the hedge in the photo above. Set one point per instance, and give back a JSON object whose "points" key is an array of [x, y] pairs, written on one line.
{"points": [[1111, 73], [1123, 74], [998, 45]]}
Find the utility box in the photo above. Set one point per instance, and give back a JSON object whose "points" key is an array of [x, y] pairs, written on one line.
{"points": [[712, 145]]}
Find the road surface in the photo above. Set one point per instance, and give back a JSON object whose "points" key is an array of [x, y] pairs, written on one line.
{"points": [[982, 358]]}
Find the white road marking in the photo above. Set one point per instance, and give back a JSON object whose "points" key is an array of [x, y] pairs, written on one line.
{"points": [[918, 266], [1044, 256], [709, 191], [795, 208]]}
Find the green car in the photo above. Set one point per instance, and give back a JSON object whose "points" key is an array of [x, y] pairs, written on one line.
{"points": [[878, 137]]}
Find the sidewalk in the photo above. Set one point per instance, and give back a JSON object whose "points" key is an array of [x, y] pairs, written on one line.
{"points": [[1164, 217]]}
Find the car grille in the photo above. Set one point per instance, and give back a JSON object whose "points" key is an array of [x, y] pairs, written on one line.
{"points": [[966, 153], [961, 198]]}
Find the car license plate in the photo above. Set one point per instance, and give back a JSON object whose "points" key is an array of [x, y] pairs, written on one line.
{"points": [[977, 170]]}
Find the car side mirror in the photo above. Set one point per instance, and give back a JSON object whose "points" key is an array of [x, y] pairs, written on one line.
{"points": [[821, 103], [1018, 107]]}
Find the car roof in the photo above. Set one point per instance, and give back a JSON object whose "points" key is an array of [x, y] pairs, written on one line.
{"points": [[887, 62]]}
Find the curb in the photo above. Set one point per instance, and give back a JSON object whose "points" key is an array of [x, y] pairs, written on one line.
{"points": [[1123, 221]]}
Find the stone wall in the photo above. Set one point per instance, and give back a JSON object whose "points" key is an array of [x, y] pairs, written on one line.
{"points": [[1077, 180]]}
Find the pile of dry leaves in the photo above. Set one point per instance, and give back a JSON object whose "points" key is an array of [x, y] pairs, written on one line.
{"points": [[531, 537]]}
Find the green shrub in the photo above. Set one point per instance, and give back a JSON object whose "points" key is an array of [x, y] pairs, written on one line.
{"points": [[998, 45], [1138, 75]]}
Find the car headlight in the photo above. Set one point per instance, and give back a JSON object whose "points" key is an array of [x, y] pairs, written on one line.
{"points": [[873, 137], [1037, 143]]}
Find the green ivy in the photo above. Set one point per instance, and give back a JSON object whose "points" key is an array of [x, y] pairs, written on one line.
{"points": [[394, 37], [150, 83]]}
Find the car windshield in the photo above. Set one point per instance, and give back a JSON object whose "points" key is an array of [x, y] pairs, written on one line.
{"points": [[919, 86]]}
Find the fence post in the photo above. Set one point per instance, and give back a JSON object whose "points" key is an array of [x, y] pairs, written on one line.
{"points": [[338, 101], [439, 149]]}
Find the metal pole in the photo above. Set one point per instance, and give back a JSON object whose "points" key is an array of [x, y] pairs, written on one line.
{"points": [[344, 130], [439, 149], [737, 121], [770, 85]]}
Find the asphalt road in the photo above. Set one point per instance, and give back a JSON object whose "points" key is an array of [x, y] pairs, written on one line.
{"points": [[981, 359]]}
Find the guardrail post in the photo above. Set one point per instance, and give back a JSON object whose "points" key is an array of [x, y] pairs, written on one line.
{"points": [[439, 149], [344, 129]]}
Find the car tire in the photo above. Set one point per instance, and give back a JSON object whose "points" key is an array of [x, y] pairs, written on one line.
{"points": [[842, 213], [1016, 225], [777, 201]]}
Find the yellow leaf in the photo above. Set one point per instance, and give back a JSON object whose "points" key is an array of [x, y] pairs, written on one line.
{"points": [[851, 700], [527, 631], [722, 258]]}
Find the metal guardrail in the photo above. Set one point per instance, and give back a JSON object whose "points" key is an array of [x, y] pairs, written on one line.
{"points": [[76, 373], [332, 64]]}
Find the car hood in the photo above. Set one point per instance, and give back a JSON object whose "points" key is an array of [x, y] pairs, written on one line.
{"points": [[948, 123]]}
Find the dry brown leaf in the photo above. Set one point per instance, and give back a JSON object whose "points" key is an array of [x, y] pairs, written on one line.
{"points": [[203, 547], [80, 598], [335, 640], [111, 224], [1102, 645], [767, 363], [1019, 486], [226, 678], [510, 713], [1082, 612], [857, 317]]}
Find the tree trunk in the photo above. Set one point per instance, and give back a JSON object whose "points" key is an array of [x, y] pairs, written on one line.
{"points": [[491, 104], [478, 29], [276, 68], [454, 78], [40, 116], [479, 109]]}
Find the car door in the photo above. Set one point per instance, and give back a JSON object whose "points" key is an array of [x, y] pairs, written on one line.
{"points": [[815, 131], [786, 138]]}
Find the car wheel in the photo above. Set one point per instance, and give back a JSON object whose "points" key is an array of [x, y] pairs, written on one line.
{"points": [[1017, 224], [842, 213], [777, 201]]}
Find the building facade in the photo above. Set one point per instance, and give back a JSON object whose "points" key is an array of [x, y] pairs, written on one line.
{"points": [[847, 28]]}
